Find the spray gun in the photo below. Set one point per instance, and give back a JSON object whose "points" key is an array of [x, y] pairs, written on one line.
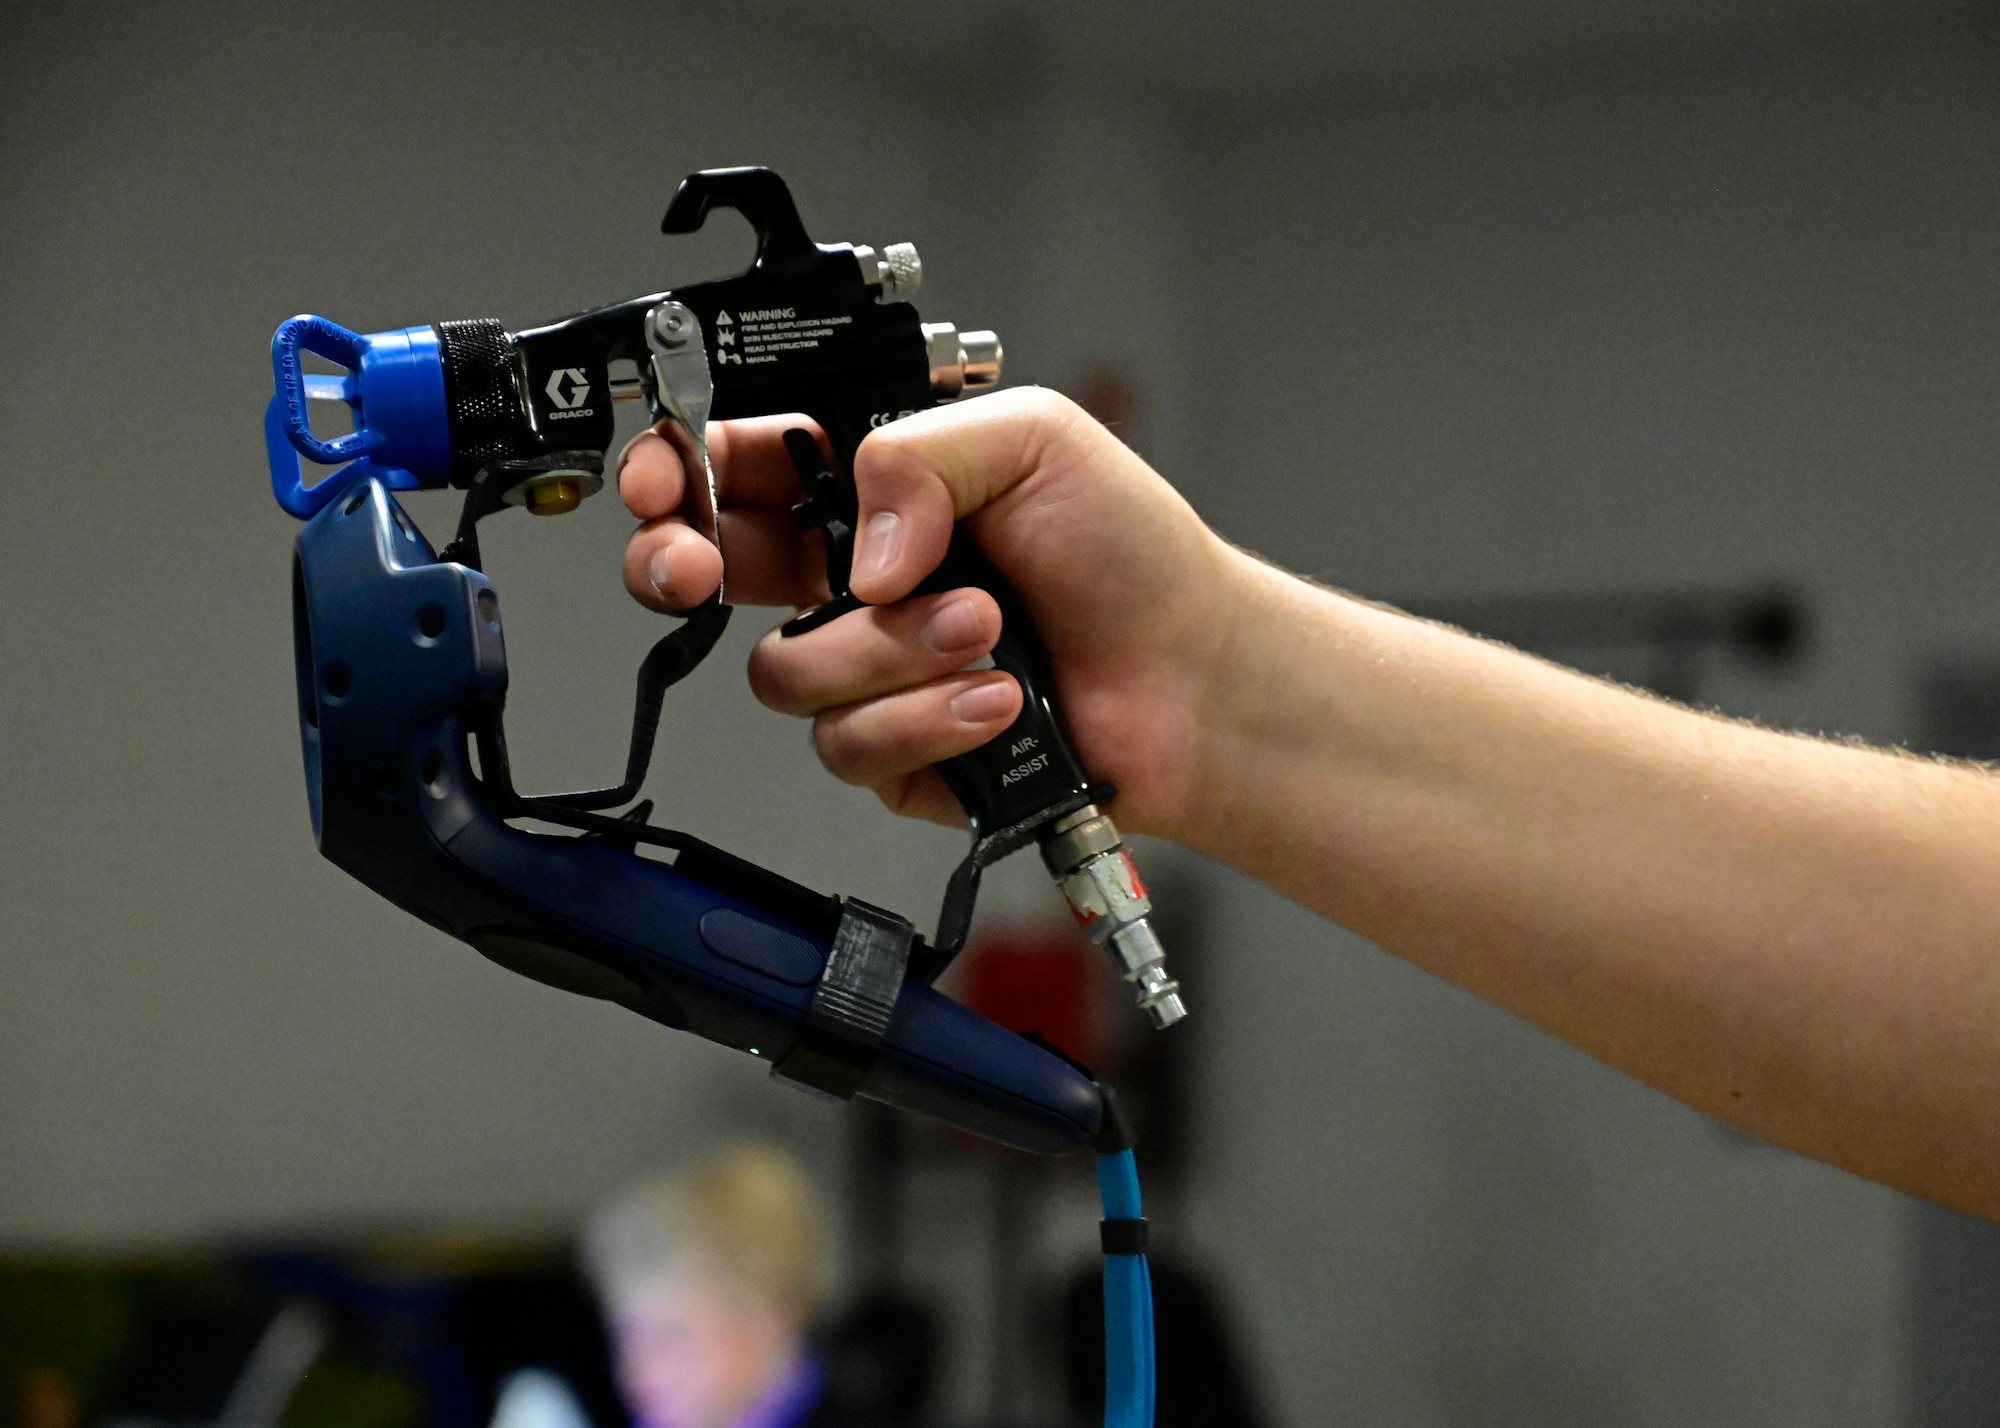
{"points": [[402, 672], [402, 680], [525, 419]]}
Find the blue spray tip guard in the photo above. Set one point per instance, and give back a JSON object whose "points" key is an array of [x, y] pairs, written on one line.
{"points": [[395, 388]]}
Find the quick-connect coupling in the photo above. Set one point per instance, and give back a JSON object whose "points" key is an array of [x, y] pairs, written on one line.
{"points": [[1086, 857]]}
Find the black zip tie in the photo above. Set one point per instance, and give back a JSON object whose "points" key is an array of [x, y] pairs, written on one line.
{"points": [[1122, 1236]]}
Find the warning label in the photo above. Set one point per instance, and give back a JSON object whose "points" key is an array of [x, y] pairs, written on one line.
{"points": [[766, 334]]}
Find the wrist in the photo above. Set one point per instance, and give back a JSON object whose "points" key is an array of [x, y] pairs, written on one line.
{"points": [[1240, 682], [1275, 729]]}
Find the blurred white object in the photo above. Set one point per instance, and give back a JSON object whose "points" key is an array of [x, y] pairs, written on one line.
{"points": [[537, 1398], [277, 1366]]}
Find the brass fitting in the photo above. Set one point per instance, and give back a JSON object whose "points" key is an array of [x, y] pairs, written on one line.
{"points": [[552, 496]]}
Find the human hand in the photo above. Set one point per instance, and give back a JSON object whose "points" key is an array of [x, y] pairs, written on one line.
{"points": [[1125, 584]]}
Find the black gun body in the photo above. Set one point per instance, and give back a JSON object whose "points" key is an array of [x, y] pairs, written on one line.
{"points": [[809, 338]]}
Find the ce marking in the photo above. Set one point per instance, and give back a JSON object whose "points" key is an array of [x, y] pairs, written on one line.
{"points": [[882, 419]]}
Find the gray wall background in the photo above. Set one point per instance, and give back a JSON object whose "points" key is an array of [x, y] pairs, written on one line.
{"points": [[1682, 299]]}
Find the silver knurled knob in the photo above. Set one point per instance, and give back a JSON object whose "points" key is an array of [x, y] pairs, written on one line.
{"points": [[896, 270], [902, 270]]}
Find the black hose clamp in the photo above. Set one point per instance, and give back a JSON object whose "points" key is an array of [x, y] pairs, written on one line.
{"points": [[849, 1015]]}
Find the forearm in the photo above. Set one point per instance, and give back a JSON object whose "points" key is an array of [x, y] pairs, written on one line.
{"points": [[1800, 937]]}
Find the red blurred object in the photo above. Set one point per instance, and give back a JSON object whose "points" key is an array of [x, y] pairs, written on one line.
{"points": [[1048, 980]]}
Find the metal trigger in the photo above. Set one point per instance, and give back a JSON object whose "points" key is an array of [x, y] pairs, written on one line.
{"points": [[683, 392]]}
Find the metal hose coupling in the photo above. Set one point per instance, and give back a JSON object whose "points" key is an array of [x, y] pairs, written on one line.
{"points": [[1085, 856]]}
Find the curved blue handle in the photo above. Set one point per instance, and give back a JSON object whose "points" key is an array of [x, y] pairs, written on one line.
{"points": [[335, 343]]}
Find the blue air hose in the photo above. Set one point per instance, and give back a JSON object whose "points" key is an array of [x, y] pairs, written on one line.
{"points": [[1128, 1296]]}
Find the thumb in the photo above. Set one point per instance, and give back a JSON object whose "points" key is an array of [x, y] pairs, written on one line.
{"points": [[917, 477]]}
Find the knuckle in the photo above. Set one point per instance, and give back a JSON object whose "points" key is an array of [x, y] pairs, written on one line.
{"points": [[1053, 422], [775, 680], [1047, 404], [834, 744], [899, 796], [874, 739], [894, 454]]}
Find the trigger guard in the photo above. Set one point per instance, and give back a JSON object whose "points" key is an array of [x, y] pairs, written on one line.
{"points": [[324, 339], [288, 479]]}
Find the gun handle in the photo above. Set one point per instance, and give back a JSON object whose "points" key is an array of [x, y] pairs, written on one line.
{"points": [[1028, 775]]}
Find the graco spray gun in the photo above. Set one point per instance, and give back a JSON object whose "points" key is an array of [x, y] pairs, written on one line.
{"points": [[402, 682], [402, 674]]}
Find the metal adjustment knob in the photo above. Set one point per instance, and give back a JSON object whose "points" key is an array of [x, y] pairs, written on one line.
{"points": [[897, 269], [961, 362], [903, 270]]}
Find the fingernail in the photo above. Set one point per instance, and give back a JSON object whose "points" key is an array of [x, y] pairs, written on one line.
{"points": [[983, 702], [656, 571], [881, 543], [954, 626]]}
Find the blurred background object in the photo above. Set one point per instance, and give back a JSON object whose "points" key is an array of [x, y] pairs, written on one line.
{"points": [[708, 1279], [1478, 306]]}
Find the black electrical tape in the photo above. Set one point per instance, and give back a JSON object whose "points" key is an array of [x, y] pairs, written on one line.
{"points": [[849, 1015], [1122, 1236]]}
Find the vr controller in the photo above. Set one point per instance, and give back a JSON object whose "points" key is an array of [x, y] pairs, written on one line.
{"points": [[402, 675]]}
